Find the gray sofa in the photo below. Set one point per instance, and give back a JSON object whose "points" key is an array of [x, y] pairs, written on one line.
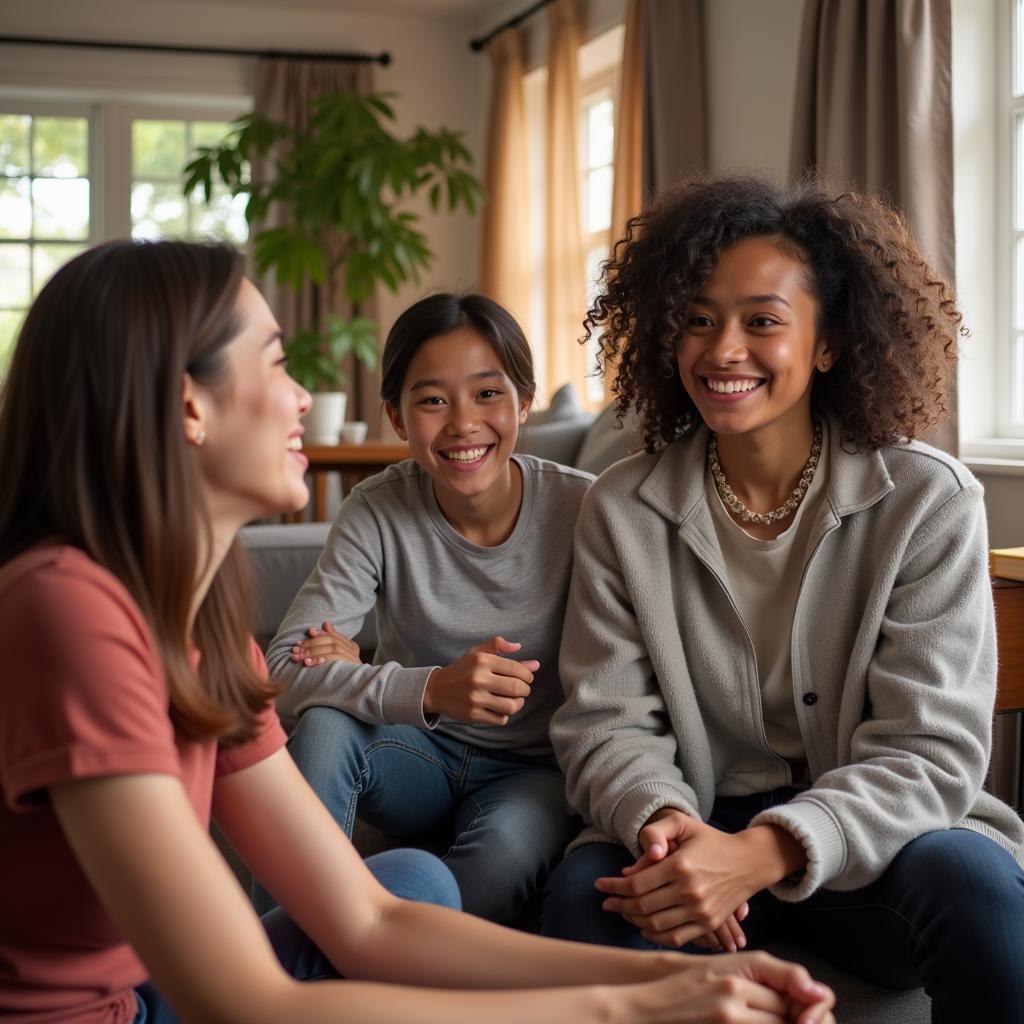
{"points": [[283, 556]]}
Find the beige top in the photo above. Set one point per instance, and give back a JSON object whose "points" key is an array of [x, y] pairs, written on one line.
{"points": [[763, 578]]}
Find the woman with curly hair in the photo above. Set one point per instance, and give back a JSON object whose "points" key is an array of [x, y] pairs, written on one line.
{"points": [[779, 655]]}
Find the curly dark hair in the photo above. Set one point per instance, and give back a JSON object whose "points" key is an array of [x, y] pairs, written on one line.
{"points": [[892, 321]]}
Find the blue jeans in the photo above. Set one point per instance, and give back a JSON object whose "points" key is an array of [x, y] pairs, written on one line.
{"points": [[947, 914], [410, 874], [506, 814]]}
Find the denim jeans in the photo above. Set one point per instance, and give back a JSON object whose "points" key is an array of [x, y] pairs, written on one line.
{"points": [[505, 814], [948, 914], [410, 874]]}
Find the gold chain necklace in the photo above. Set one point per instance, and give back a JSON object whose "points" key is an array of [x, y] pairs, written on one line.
{"points": [[788, 507]]}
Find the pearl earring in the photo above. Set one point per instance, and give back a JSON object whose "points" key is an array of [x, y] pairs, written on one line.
{"points": [[200, 438]]}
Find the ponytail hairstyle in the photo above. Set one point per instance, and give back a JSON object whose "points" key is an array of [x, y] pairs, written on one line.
{"points": [[94, 454]]}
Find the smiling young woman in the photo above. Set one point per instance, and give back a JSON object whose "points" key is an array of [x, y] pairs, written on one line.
{"points": [[779, 653]]}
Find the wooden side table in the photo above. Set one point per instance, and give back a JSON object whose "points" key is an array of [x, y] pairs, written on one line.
{"points": [[354, 462], [1006, 779]]}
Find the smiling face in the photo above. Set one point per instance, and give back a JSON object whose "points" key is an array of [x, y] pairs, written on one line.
{"points": [[251, 460], [750, 347], [461, 415]]}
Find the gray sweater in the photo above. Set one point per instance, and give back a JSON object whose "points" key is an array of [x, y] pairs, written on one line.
{"points": [[435, 595], [893, 660]]}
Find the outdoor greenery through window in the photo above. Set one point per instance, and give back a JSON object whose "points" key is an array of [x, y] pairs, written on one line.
{"points": [[44, 208], [54, 202], [160, 149]]}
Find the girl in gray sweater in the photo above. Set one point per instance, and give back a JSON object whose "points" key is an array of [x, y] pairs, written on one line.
{"points": [[463, 554], [779, 655]]}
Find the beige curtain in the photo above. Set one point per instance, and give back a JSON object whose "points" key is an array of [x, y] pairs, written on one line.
{"points": [[675, 123], [627, 177], [285, 90], [627, 181], [566, 276], [873, 109], [505, 272]]}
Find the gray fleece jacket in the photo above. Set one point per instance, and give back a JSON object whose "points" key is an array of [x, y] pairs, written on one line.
{"points": [[893, 660]]}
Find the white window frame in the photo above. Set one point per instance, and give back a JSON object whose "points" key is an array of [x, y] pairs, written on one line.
{"points": [[984, 199], [110, 145], [596, 88], [1010, 157]]}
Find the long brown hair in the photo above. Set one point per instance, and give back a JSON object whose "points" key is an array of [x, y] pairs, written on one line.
{"points": [[94, 454]]}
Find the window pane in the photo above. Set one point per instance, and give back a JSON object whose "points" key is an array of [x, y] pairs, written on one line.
{"points": [[1018, 288], [207, 133], [599, 199], [1018, 381], [600, 133], [14, 143], [1018, 48], [159, 210], [60, 208], [594, 258], [223, 218], [15, 208], [14, 276], [46, 259], [60, 147], [10, 323], [1018, 170], [158, 148]]}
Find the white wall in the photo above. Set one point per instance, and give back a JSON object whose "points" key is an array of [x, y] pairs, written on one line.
{"points": [[437, 78]]}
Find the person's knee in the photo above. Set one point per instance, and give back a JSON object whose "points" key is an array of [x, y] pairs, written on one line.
{"points": [[324, 735], [416, 875], [960, 865]]}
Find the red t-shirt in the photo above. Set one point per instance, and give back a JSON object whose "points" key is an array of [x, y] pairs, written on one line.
{"points": [[82, 694]]}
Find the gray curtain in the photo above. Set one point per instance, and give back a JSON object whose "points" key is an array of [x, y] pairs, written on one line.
{"points": [[873, 109], [285, 90], [675, 121]]}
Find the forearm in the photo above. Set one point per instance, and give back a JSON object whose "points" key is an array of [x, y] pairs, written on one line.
{"points": [[477, 954], [772, 854], [372, 1003]]}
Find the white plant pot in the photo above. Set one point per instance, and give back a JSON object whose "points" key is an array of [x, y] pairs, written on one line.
{"points": [[323, 422]]}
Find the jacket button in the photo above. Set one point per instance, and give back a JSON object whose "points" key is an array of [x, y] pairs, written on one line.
{"points": [[810, 698]]}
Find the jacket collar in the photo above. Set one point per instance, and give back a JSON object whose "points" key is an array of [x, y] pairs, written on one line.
{"points": [[675, 486]]}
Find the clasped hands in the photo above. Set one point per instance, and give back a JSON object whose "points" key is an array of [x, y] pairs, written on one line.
{"points": [[484, 686], [693, 881]]}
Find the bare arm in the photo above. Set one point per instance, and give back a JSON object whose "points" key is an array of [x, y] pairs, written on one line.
{"points": [[162, 880]]}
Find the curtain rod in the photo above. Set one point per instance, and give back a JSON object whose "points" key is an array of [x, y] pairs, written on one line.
{"points": [[379, 58], [480, 42]]}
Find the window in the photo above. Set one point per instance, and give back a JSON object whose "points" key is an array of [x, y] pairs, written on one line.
{"points": [[45, 208], [160, 149], [70, 178], [597, 137], [988, 206]]}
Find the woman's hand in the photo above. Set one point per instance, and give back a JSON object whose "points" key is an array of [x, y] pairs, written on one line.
{"points": [[325, 645], [748, 988], [482, 686], [693, 879]]}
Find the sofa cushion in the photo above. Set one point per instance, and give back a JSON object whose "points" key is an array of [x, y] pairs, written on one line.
{"points": [[564, 405], [281, 557], [605, 443]]}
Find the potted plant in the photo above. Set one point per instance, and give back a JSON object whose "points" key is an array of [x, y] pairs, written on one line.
{"points": [[341, 186]]}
